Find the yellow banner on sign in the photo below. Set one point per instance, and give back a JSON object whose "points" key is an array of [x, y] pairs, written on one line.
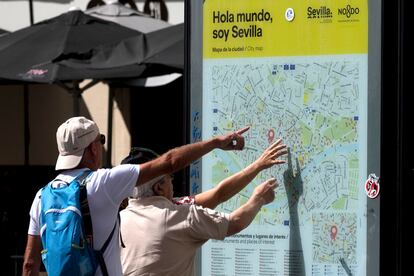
{"points": [[261, 28]]}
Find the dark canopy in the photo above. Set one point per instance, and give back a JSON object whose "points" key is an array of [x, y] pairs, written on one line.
{"points": [[75, 46]]}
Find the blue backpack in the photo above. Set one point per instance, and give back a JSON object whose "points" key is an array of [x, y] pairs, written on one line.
{"points": [[67, 244]]}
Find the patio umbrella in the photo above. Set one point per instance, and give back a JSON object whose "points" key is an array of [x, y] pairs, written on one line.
{"points": [[40, 53], [172, 54], [167, 50], [161, 52]]}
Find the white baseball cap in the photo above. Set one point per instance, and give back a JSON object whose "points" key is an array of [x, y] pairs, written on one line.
{"points": [[73, 137]]}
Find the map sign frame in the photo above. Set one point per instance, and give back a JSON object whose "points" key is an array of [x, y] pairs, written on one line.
{"points": [[298, 71]]}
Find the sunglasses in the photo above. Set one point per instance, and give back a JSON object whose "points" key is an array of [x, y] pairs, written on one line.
{"points": [[102, 139]]}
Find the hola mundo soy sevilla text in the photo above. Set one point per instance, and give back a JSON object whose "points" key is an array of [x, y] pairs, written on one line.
{"points": [[241, 17]]}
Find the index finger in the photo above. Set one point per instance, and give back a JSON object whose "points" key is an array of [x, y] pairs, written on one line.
{"points": [[243, 130]]}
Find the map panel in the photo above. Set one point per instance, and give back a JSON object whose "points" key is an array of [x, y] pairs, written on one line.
{"points": [[317, 106]]}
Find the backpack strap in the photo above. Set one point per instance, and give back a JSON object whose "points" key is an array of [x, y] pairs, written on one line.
{"points": [[83, 198], [99, 253], [88, 223]]}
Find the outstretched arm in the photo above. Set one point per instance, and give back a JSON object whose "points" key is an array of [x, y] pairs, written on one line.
{"points": [[243, 216], [32, 258], [180, 157], [230, 186]]}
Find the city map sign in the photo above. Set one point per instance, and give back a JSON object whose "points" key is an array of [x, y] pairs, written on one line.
{"points": [[295, 70]]}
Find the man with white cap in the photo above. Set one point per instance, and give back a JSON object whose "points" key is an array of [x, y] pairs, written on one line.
{"points": [[80, 146]]}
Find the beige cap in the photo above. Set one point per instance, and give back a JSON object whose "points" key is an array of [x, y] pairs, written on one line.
{"points": [[72, 137]]}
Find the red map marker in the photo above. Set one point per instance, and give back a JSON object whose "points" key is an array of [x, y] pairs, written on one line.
{"points": [[270, 135], [334, 231]]}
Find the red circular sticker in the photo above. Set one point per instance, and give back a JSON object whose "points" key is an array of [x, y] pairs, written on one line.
{"points": [[372, 186]]}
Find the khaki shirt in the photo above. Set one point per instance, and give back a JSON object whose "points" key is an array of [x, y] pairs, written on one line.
{"points": [[161, 238]]}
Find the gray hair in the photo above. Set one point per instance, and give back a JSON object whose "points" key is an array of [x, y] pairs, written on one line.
{"points": [[145, 190]]}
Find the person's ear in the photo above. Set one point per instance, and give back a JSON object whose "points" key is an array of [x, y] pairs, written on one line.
{"points": [[93, 148], [156, 188]]}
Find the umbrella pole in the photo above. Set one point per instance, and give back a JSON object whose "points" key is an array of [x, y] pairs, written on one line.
{"points": [[110, 115], [76, 92], [26, 124], [26, 105], [31, 12], [76, 95]]}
